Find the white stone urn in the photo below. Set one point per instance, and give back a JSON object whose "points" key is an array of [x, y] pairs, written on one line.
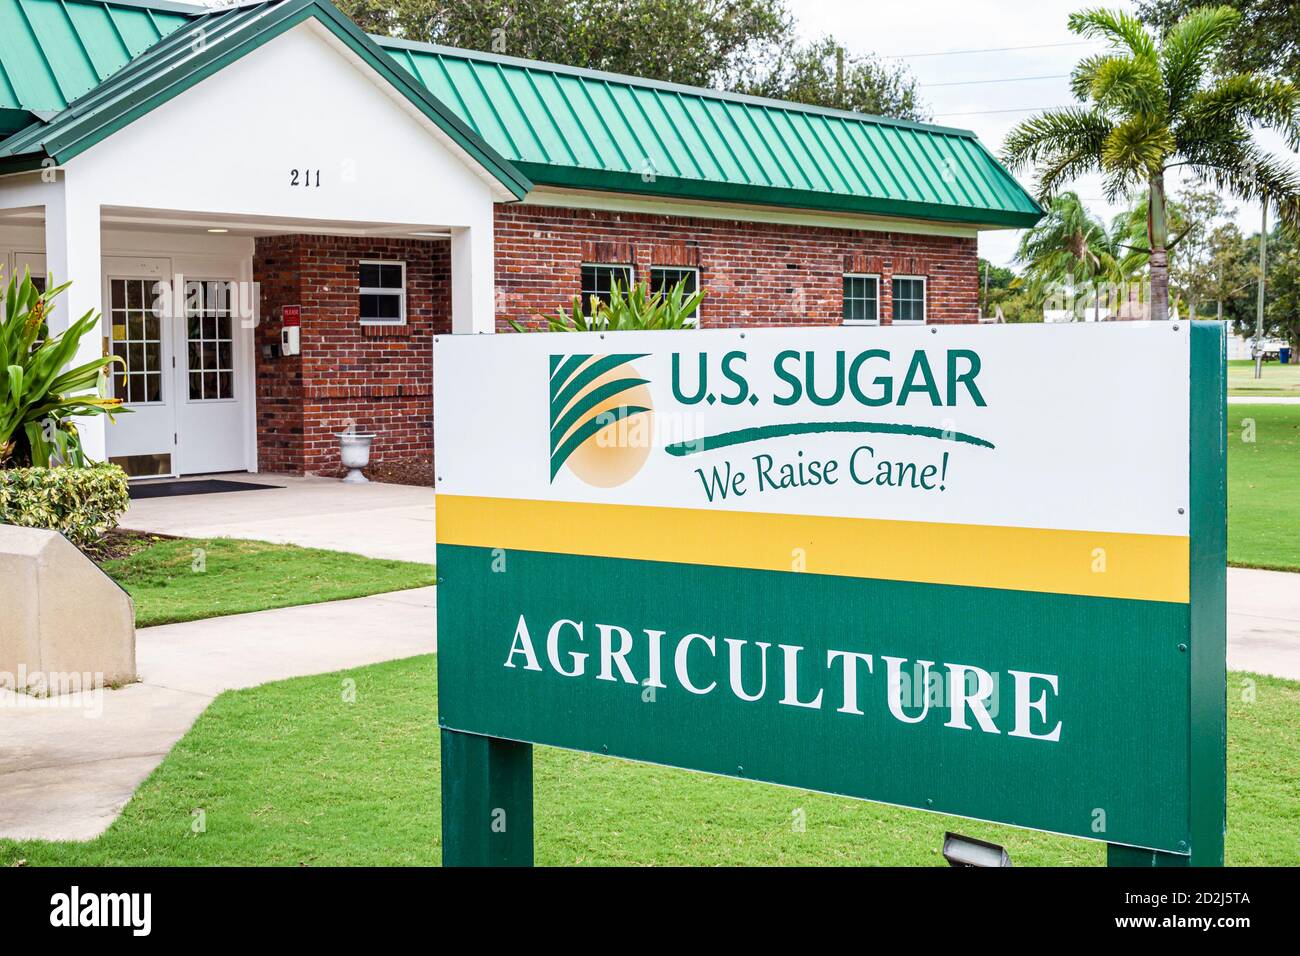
{"points": [[354, 451]]}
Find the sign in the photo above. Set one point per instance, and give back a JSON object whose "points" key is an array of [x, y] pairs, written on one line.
{"points": [[972, 570], [290, 315]]}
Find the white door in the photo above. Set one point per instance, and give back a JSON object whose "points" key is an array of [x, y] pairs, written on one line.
{"points": [[143, 440], [211, 415]]}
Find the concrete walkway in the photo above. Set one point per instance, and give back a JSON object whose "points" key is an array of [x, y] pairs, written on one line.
{"points": [[1263, 400], [69, 764], [1264, 622], [377, 520]]}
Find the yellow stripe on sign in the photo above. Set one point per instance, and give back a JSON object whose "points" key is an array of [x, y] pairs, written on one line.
{"points": [[1144, 567]]}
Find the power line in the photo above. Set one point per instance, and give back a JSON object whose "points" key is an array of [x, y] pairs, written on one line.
{"points": [[994, 49], [1018, 109], [1005, 79]]}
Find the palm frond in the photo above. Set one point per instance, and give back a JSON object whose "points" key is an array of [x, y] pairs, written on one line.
{"points": [[1084, 72], [1252, 174], [1122, 30], [1129, 85], [1229, 105], [1067, 140], [1189, 47]]}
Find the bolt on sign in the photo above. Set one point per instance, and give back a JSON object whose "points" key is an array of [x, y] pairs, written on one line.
{"points": [[973, 570]]}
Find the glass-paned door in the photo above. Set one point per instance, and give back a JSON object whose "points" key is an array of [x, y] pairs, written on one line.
{"points": [[138, 333], [214, 365]]}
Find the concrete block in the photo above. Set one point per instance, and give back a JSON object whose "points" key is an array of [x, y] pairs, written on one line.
{"points": [[64, 624]]}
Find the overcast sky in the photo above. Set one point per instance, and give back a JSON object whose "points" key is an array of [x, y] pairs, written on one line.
{"points": [[930, 36]]}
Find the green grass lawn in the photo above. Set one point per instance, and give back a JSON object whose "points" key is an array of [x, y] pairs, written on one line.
{"points": [[290, 773], [1264, 486], [1278, 380], [185, 579]]}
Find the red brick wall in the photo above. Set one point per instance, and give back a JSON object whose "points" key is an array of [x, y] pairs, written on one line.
{"points": [[381, 378], [378, 378], [755, 273], [279, 380]]}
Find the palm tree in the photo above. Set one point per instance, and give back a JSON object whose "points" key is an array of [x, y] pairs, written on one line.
{"points": [[1070, 246], [1149, 105]]}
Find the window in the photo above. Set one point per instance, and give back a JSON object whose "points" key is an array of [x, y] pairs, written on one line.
{"points": [[383, 293], [137, 341], [861, 300], [210, 340], [665, 278], [909, 299], [597, 280]]}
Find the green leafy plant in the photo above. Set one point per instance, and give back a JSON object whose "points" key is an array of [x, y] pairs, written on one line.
{"points": [[82, 503], [638, 309], [39, 394]]}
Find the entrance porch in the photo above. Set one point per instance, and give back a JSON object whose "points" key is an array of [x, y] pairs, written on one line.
{"points": [[194, 307]]}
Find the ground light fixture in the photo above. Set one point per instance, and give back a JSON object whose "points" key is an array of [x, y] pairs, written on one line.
{"points": [[961, 850]]}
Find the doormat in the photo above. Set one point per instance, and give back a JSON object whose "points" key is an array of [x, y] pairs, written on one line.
{"points": [[199, 486]]}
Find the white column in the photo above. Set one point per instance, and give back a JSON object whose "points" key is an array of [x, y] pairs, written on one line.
{"points": [[473, 283], [72, 253]]}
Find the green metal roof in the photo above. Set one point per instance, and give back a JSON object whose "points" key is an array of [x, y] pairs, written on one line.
{"points": [[194, 50], [564, 126], [74, 71], [53, 51]]}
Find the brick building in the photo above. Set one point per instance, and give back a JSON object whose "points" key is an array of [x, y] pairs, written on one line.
{"points": [[418, 190]]}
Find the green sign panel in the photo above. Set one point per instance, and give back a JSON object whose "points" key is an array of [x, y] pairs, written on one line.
{"points": [[999, 595]]}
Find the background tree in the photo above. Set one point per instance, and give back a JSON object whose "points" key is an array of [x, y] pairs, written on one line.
{"points": [[1005, 292], [739, 45], [1128, 235], [1231, 269], [1282, 314], [1150, 106], [1266, 41], [698, 42], [823, 73], [1069, 251], [1202, 211], [1282, 311]]}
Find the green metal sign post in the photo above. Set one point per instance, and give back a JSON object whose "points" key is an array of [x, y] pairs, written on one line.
{"points": [[487, 801], [1064, 671], [1207, 644]]}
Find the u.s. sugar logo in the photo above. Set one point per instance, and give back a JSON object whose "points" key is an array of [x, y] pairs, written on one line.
{"points": [[602, 418]]}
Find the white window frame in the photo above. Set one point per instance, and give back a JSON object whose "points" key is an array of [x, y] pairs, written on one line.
{"points": [[695, 316], [630, 267], [925, 301], [367, 290], [843, 303]]}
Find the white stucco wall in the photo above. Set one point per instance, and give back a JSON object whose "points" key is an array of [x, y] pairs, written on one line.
{"points": [[301, 101]]}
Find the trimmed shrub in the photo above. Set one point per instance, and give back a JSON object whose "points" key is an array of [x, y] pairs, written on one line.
{"points": [[83, 503]]}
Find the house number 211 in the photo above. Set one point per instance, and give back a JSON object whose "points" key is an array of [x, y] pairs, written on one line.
{"points": [[304, 177]]}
